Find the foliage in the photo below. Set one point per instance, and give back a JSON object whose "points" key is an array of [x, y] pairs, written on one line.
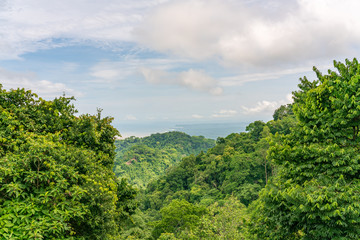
{"points": [[136, 226], [142, 159], [282, 112], [235, 168], [284, 120], [236, 165], [178, 216], [224, 220], [255, 129], [56, 179], [316, 192]]}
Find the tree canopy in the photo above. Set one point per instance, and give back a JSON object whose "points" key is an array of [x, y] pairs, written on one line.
{"points": [[315, 194], [56, 179]]}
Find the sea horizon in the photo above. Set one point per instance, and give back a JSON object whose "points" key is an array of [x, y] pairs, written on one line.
{"points": [[210, 130]]}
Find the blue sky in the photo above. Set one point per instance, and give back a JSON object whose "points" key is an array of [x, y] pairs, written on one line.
{"points": [[173, 61]]}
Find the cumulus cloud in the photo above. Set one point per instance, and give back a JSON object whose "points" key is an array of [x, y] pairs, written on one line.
{"points": [[29, 81], [262, 106], [233, 32], [250, 34], [289, 98], [267, 107], [224, 113], [192, 79]]}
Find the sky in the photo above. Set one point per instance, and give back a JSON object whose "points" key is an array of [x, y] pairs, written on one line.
{"points": [[163, 62]]}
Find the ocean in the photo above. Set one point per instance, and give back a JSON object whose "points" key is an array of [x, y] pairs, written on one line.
{"points": [[208, 130]]}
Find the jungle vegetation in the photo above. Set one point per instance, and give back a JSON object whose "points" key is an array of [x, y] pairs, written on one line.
{"points": [[140, 160], [295, 177]]}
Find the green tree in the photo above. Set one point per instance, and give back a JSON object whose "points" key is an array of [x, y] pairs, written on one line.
{"points": [[316, 192], [178, 216], [223, 221], [255, 129], [284, 120], [56, 179], [283, 111]]}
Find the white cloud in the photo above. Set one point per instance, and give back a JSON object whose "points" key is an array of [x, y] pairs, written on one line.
{"points": [[29, 81], [267, 107], [250, 34], [192, 79], [110, 71], [289, 98], [252, 77], [27, 26], [234, 32], [187, 28], [262, 106], [224, 113]]}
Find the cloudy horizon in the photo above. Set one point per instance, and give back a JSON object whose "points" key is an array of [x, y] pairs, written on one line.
{"points": [[179, 61]]}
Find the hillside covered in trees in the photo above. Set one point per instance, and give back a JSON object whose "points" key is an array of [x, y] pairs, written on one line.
{"points": [[214, 187], [142, 159], [294, 177]]}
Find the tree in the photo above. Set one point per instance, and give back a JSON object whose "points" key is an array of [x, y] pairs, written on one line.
{"points": [[56, 179], [283, 111], [178, 216], [284, 120], [262, 148], [223, 221], [316, 192], [255, 129]]}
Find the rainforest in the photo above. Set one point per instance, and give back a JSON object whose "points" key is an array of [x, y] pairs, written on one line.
{"points": [[69, 176]]}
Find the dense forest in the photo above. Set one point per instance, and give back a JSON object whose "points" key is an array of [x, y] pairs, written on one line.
{"points": [[56, 179], [294, 177], [214, 187], [140, 160]]}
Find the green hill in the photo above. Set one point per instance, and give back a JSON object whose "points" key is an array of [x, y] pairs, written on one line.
{"points": [[206, 195], [236, 165], [143, 159]]}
